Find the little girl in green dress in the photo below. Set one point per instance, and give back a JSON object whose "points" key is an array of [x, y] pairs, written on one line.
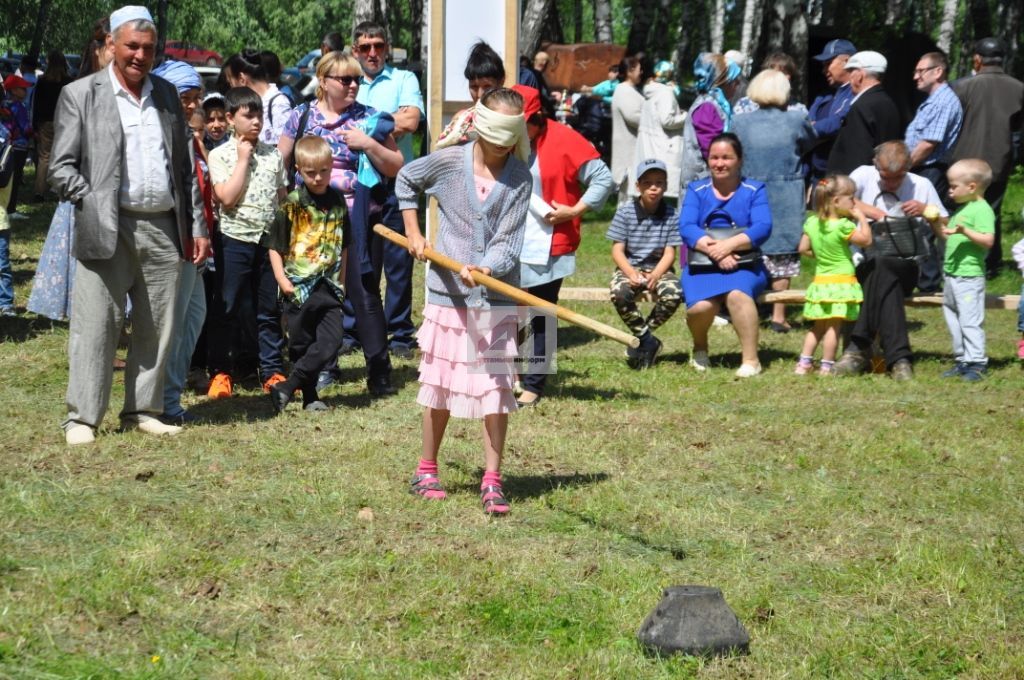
{"points": [[834, 295]]}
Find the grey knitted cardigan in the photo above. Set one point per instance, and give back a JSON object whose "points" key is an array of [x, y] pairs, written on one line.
{"points": [[487, 235]]}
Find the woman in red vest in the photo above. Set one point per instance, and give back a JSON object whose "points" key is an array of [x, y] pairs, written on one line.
{"points": [[562, 163]]}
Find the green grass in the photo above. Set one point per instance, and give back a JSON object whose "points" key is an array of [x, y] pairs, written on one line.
{"points": [[858, 527]]}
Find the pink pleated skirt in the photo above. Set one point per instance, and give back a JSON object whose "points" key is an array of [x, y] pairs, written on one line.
{"points": [[450, 379]]}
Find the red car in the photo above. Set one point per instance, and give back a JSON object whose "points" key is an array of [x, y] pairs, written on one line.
{"points": [[191, 54]]}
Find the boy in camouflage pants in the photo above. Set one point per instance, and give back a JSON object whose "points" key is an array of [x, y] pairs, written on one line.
{"points": [[645, 233]]}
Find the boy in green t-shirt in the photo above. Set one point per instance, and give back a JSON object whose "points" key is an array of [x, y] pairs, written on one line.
{"points": [[969, 234]]}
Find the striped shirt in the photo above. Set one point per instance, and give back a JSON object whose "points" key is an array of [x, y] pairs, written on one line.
{"points": [[645, 234], [938, 119]]}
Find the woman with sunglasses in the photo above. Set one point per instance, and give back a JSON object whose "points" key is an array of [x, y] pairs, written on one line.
{"points": [[353, 131]]}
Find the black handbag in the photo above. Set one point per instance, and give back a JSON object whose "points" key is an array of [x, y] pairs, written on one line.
{"points": [[699, 261], [898, 236]]}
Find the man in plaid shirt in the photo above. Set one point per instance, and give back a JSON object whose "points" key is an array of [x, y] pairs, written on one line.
{"points": [[931, 137]]}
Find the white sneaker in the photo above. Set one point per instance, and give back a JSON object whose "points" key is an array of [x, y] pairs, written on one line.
{"points": [[699, 360], [720, 321], [79, 433], [748, 370], [16, 216], [149, 425]]}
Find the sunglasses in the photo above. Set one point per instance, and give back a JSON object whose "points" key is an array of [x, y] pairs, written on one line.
{"points": [[365, 48], [347, 81]]}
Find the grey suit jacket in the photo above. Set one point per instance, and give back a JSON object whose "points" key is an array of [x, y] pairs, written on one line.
{"points": [[85, 164]]}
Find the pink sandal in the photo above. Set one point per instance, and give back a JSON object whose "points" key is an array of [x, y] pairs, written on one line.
{"points": [[427, 486], [493, 500]]}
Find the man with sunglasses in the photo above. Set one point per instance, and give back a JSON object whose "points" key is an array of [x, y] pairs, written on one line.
{"points": [[397, 92], [931, 137]]}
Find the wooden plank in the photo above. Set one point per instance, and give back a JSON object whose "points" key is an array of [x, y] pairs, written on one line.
{"points": [[794, 297]]}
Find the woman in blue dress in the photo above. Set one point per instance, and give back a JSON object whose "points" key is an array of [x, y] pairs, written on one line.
{"points": [[724, 200], [51, 287]]}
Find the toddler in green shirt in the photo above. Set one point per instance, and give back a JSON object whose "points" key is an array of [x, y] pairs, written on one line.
{"points": [[969, 234]]}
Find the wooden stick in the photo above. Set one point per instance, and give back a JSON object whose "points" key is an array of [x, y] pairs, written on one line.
{"points": [[520, 296]]}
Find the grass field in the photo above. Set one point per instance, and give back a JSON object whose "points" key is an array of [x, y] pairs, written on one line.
{"points": [[858, 527]]}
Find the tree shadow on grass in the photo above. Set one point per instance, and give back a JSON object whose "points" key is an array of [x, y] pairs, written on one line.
{"points": [[558, 389], [247, 408], [677, 552], [23, 328], [523, 487], [574, 336]]}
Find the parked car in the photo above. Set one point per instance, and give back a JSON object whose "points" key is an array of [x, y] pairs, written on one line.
{"points": [[308, 61], [74, 64], [210, 76], [191, 54]]}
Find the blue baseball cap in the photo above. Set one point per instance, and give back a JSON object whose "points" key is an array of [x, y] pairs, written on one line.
{"points": [[648, 165], [833, 48]]}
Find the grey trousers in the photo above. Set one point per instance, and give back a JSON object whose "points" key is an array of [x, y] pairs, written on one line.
{"points": [[963, 305], [145, 267]]}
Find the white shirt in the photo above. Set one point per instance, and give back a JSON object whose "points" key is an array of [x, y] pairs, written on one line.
{"points": [[914, 187], [145, 178], [276, 109]]}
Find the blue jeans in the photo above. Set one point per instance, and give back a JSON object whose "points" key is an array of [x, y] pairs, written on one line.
{"points": [[248, 278], [189, 314], [397, 266], [6, 273]]}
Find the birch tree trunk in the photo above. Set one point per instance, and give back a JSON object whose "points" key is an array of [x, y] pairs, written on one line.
{"points": [[753, 14], [718, 27], [362, 11], [425, 34], [948, 24], [534, 14], [602, 21], [1009, 23], [798, 38]]}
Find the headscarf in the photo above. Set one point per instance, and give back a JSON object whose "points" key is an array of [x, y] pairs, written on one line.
{"points": [[179, 74], [712, 71], [664, 71], [502, 129]]}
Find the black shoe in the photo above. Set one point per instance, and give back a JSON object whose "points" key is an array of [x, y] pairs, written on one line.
{"points": [[633, 357], [279, 397], [955, 372], [380, 386], [973, 372], [649, 351]]}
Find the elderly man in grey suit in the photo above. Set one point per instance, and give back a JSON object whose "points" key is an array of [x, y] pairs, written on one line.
{"points": [[121, 155]]}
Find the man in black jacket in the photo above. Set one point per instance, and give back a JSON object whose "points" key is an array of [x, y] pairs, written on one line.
{"points": [[873, 116], [993, 117]]}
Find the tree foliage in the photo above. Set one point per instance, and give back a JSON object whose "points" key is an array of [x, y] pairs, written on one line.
{"points": [[666, 29]]}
